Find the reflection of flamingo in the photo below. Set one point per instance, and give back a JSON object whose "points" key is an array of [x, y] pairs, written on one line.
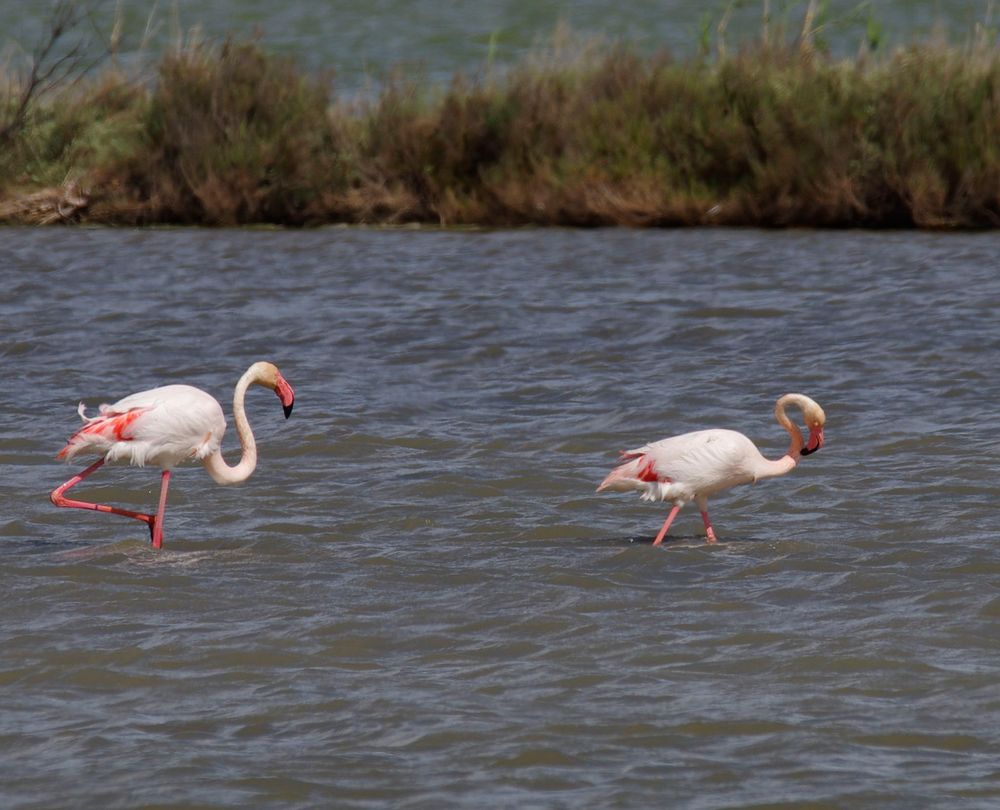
{"points": [[695, 465], [164, 427]]}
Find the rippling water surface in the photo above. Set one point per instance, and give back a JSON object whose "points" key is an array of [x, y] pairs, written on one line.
{"points": [[419, 601]]}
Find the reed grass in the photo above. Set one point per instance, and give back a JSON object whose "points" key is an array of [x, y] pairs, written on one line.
{"points": [[776, 133]]}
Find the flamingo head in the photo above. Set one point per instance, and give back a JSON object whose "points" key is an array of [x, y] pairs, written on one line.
{"points": [[287, 397], [267, 374], [815, 420]]}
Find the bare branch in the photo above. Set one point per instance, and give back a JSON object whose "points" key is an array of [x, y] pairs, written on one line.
{"points": [[48, 71]]}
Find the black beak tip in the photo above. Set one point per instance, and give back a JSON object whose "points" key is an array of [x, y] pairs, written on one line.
{"points": [[288, 409]]}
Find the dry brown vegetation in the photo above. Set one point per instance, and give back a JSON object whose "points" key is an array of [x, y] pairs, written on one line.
{"points": [[774, 135]]}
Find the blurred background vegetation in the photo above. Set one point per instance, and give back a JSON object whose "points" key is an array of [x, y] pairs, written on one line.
{"points": [[771, 114]]}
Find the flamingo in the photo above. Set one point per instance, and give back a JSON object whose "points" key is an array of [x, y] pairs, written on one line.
{"points": [[164, 427], [693, 466]]}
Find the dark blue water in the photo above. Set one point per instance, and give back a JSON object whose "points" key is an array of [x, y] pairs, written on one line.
{"points": [[419, 601]]}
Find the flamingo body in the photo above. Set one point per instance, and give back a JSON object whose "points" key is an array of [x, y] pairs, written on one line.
{"points": [[683, 468], [693, 466], [164, 427]]}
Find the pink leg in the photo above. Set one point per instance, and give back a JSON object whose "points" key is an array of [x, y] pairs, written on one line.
{"points": [[709, 531], [59, 499], [666, 525], [156, 526]]}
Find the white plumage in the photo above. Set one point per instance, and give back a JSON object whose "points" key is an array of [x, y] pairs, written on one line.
{"points": [[162, 427], [699, 463], [693, 466]]}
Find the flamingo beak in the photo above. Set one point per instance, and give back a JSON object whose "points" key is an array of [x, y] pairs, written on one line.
{"points": [[285, 394], [815, 441]]}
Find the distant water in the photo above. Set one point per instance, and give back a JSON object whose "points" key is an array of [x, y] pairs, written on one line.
{"points": [[361, 41], [419, 601]]}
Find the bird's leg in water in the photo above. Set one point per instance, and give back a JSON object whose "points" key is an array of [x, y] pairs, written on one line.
{"points": [[666, 525], [709, 531], [156, 524], [59, 499]]}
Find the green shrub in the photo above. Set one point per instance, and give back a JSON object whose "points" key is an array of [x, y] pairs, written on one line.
{"points": [[776, 134], [232, 135]]}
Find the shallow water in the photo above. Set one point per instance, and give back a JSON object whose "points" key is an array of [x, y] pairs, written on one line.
{"points": [[419, 601]]}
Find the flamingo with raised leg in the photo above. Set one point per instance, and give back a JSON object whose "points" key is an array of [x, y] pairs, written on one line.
{"points": [[693, 466], [165, 427]]}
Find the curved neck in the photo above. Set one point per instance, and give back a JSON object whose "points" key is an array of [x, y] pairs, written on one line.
{"points": [[797, 443], [768, 468], [216, 465]]}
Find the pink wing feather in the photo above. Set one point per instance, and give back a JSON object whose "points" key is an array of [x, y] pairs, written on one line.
{"points": [[633, 466], [102, 431]]}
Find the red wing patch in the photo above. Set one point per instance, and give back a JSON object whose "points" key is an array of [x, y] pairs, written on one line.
{"points": [[113, 427], [646, 471]]}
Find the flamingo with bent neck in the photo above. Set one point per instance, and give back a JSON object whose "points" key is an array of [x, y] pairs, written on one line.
{"points": [[694, 466], [164, 427]]}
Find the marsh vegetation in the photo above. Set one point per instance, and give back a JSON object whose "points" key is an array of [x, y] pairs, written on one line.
{"points": [[775, 132]]}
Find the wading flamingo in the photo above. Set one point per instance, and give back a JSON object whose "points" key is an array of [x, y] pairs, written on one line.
{"points": [[164, 427], [692, 466]]}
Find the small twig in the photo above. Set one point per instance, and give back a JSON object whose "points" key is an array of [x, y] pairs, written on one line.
{"points": [[46, 73], [805, 38], [720, 29]]}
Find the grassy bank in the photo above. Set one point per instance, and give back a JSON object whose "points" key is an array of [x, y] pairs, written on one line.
{"points": [[772, 135]]}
